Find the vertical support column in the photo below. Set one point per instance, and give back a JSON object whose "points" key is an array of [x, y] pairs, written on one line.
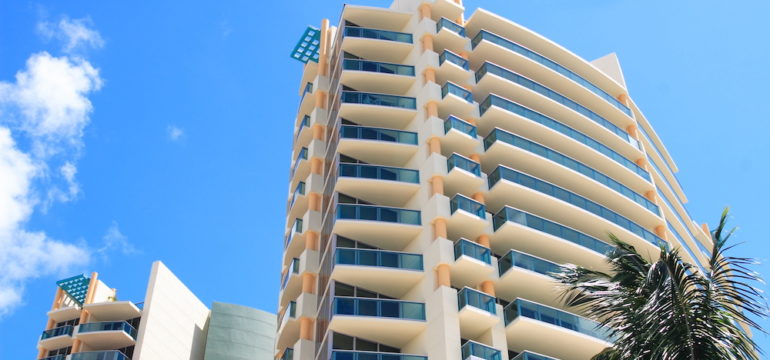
{"points": [[439, 228], [314, 202], [320, 99], [306, 328], [483, 240], [437, 185], [425, 11], [434, 145], [308, 283], [311, 240], [84, 315], [429, 75], [660, 230], [479, 197], [487, 287], [443, 275], [427, 42], [319, 132], [475, 157], [431, 108], [316, 166], [323, 58]]}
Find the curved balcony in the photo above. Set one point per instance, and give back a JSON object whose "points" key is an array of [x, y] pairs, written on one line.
{"points": [[551, 331], [378, 145], [384, 185], [543, 197], [369, 75], [477, 312], [463, 175], [383, 227], [449, 35], [99, 355], [307, 101], [303, 134], [368, 355], [472, 350], [499, 112], [301, 166], [487, 45], [392, 322], [391, 46], [452, 67], [372, 109], [65, 313], [55, 357], [455, 100], [459, 135], [528, 276], [56, 338], [288, 327], [512, 150], [472, 265], [298, 203], [113, 310], [291, 282], [536, 235], [528, 355], [388, 272], [468, 217], [107, 334], [293, 243]]}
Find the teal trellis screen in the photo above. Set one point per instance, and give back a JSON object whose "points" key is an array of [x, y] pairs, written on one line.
{"points": [[307, 46], [76, 287]]}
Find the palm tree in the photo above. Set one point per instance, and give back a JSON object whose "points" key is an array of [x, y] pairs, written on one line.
{"points": [[668, 309]]}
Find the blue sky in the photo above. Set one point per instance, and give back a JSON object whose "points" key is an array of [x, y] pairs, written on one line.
{"points": [[181, 141]]}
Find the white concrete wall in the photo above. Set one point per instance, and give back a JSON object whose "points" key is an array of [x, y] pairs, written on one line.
{"points": [[174, 321]]}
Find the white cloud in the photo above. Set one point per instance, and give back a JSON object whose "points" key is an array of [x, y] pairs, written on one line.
{"points": [[76, 34], [114, 240], [42, 117], [174, 133]]}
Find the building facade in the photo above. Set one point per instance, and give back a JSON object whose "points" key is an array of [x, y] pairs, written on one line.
{"points": [[87, 321], [442, 168]]}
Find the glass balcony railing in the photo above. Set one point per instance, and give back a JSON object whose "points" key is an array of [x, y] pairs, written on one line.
{"points": [[377, 34], [288, 354], [108, 326], [502, 172], [525, 261], [376, 66], [299, 190], [385, 308], [507, 214], [560, 318], [378, 213], [474, 350], [526, 355], [303, 124], [379, 258], [460, 202], [477, 299], [445, 23], [457, 90], [293, 269], [355, 97], [308, 89], [378, 134], [301, 156], [378, 172], [295, 229], [508, 105], [99, 355], [368, 355], [453, 122], [461, 162], [471, 249], [510, 45], [570, 163], [55, 357], [292, 311], [454, 59], [65, 330]]}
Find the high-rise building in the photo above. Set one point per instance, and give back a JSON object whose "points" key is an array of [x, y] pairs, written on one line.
{"points": [[88, 322], [442, 168]]}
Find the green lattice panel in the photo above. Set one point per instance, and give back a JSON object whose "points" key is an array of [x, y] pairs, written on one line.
{"points": [[76, 287], [308, 45]]}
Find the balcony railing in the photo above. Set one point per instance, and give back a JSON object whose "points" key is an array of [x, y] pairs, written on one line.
{"points": [[461, 162], [378, 213], [295, 229], [451, 26], [303, 124], [65, 330], [55, 357], [367, 355], [569, 163], [299, 190], [301, 156], [378, 172], [99, 355], [474, 350], [108, 326], [376, 66], [288, 354], [377, 34], [473, 250], [379, 258], [560, 318], [477, 299], [460, 202], [549, 227], [502, 172], [457, 90], [293, 269], [385, 308], [355, 97], [526, 355], [510, 45], [454, 59], [453, 122], [527, 113], [378, 134], [525, 261], [308, 89]]}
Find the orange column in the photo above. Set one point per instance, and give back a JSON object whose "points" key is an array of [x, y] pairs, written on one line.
{"points": [[633, 131], [623, 98], [427, 42], [488, 287], [306, 328], [476, 158], [319, 131], [432, 108], [425, 11], [478, 197], [650, 195], [320, 99], [483, 240], [443, 275], [437, 184], [430, 75], [314, 202], [705, 228], [465, 55], [434, 144], [660, 230], [642, 163], [316, 166], [311, 240], [439, 228], [308, 283], [323, 62]]}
